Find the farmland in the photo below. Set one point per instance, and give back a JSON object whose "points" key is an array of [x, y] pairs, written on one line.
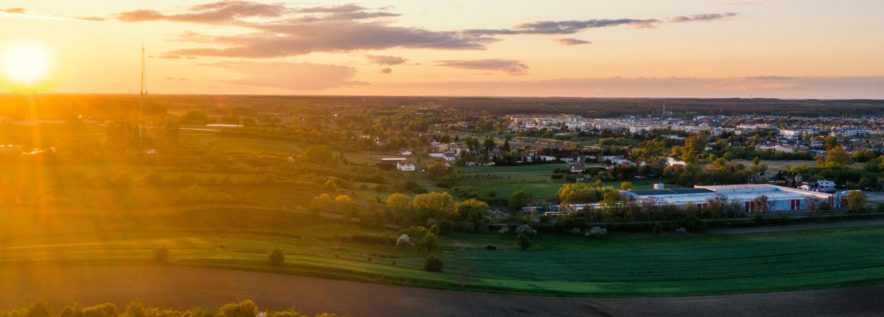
{"points": [[534, 179], [619, 264]]}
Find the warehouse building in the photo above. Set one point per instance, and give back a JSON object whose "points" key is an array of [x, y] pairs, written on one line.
{"points": [[779, 198]]}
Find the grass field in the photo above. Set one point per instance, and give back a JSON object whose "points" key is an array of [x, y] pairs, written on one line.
{"points": [[620, 264], [534, 179]]}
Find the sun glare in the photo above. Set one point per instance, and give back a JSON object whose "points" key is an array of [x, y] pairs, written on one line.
{"points": [[25, 63]]}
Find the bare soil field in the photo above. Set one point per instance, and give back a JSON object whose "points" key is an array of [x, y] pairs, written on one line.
{"points": [[182, 287]]}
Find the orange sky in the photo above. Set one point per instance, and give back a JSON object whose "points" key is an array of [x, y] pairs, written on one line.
{"points": [[593, 48]]}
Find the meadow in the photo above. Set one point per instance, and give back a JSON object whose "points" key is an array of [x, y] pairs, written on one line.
{"points": [[533, 179], [555, 264]]}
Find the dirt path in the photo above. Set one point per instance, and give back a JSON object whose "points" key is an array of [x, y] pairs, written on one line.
{"points": [[180, 287]]}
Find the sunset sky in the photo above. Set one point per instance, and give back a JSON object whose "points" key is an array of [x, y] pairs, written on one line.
{"points": [[591, 48]]}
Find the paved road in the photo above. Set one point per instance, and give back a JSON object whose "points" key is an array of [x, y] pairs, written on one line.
{"points": [[180, 287]]}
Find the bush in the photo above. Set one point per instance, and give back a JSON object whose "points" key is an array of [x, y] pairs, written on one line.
{"points": [[276, 258], [433, 264], [658, 228], [161, 254], [38, 309], [523, 241], [246, 308], [597, 232]]}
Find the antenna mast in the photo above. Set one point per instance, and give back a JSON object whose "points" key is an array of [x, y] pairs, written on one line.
{"points": [[141, 101]]}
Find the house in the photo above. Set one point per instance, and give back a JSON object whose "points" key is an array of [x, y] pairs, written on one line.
{"points": [[672, 162], [578, 168], [449, 157], [390, 162], [405, 166]]}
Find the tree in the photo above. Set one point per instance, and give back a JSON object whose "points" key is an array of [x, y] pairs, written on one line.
{"points": [[429, 242], [321, 203], [276, 257], [38, 309], [523, 241], [433, 205], [856, 201], [433, 263], [518, 200], [246, 308], [345, 205], [400, 206], [837, 157], [320, 154], [612, 199], [830, 142], [474, 211], [625, 185], [762, 204]]}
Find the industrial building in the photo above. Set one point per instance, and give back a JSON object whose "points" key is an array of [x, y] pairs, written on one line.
{"points": [[779, 198]]}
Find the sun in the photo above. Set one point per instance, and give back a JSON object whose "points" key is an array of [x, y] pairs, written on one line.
{"points": [[25, 64]]}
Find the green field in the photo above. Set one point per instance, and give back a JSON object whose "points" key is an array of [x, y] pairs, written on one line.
{"points": [[619, 264], [533, 179]]}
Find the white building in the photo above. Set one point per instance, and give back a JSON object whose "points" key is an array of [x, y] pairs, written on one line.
{"points": [[779, 198], [405, 166]]}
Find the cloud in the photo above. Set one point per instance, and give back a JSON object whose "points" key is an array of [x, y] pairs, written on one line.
{"points": [[570, 41], [511, 67], [386, 59], [281, 30], [221, 11], [703, 17], [23, 13], [565, 27], [289, 76], [298, 38], [747, 3], [14, 10], [386, 70]]}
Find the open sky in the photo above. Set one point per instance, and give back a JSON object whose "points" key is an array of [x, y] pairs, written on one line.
{"points": [[589, 48]]}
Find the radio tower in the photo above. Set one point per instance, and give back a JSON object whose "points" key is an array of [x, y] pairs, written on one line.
{"points": [[141, 101]]}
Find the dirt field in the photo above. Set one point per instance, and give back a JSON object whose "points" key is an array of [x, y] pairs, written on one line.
{"points": [[180, 287]]}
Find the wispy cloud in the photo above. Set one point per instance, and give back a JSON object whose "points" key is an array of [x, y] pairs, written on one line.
{"points": [[23, 13], [570, 41], [512, 67], [565, 27], [706, 17], [281, 30], [386, 59]]}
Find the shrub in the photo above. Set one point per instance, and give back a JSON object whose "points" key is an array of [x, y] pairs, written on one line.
{"points": [[246, 308], [161, 254], [101, 310], [523, 241], [597, 232], [276, 257], [38, 309], [433, 264]]}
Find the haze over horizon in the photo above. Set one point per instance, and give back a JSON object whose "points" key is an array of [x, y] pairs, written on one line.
{"points": [[638, 48]]}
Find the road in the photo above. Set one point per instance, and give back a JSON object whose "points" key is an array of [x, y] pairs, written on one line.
{"points": [[182, 287]]}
